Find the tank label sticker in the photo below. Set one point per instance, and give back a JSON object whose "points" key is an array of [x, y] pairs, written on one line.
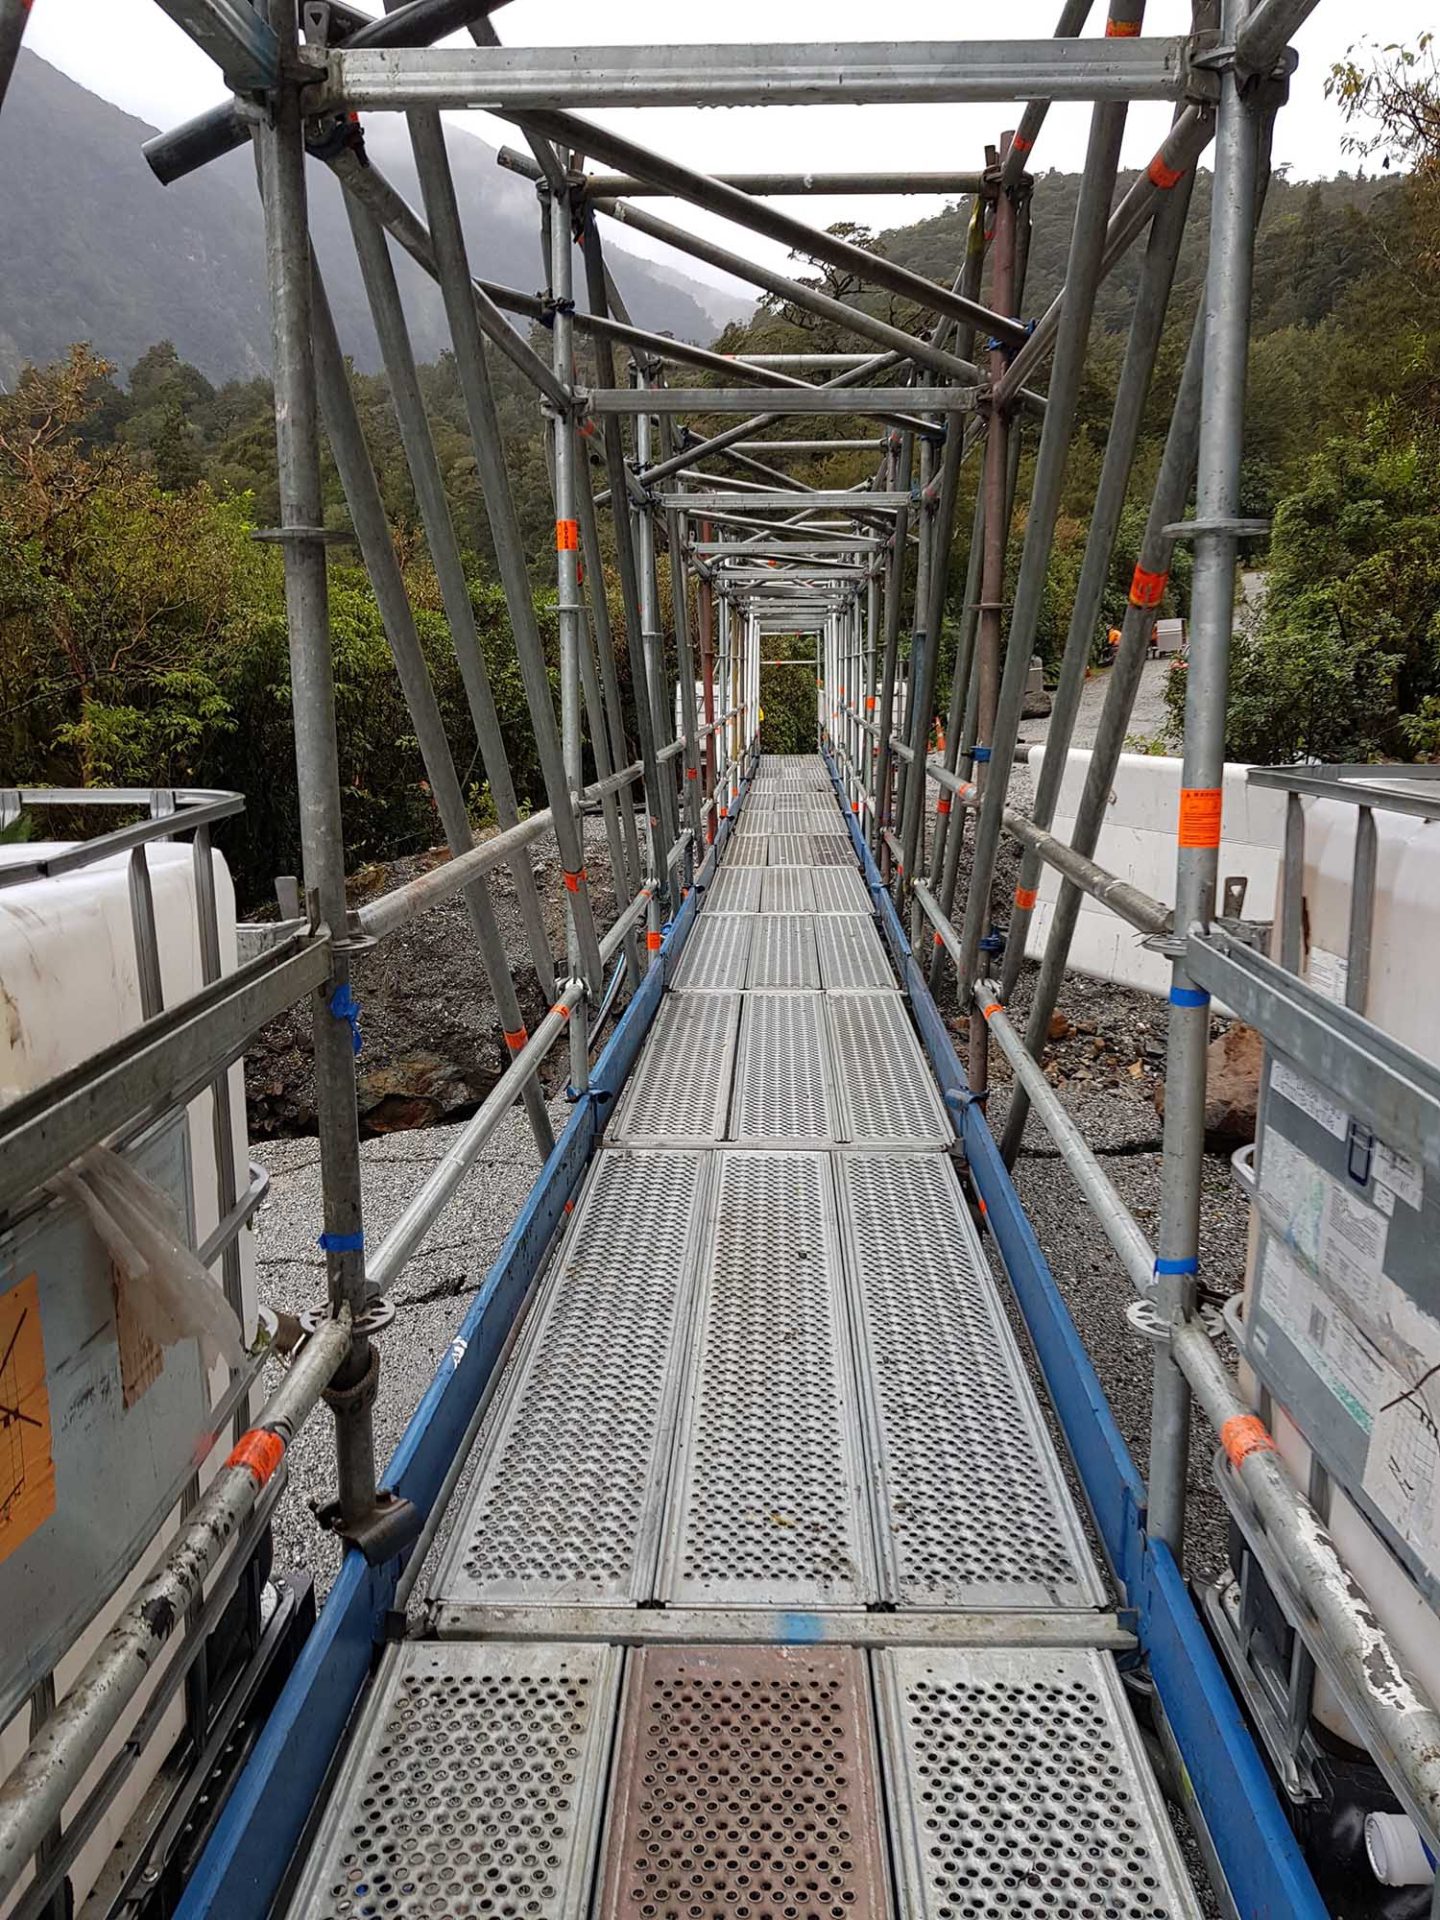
{"points": [[1324, 1336], [1292, 1085], [1399, 1175], [1334, 1230], [27, 1468], [1402, 1468], [1328, 973]]}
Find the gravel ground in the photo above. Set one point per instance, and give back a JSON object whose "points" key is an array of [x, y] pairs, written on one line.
{"points": [[1146, 720], [431, 1296]]}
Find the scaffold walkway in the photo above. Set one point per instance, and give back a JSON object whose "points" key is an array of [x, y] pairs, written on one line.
{"points": [[767, 1595]]}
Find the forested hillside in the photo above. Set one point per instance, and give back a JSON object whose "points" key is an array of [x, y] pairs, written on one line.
{"points": [[94, 248]]}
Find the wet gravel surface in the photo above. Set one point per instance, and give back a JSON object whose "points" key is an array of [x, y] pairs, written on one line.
{"points": [[431, 1296]]}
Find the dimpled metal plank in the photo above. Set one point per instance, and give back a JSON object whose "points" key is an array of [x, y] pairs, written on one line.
{"points": [[735, 890], [680, 1087], [746, 1785], [1018, 1785], [715, 954], [472, 1788], [782, 952], [746, 853], [839, 892], [766, 1507], [565, 1506], [790, 850], [786, 890], [886, 1093], [782, 1078], [852, 954], [829, 851], [973, 1510]]}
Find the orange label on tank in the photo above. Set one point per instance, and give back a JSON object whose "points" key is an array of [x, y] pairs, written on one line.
{"points": [[27, 1470]]}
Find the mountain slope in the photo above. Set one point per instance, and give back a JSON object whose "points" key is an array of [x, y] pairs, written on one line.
{"points": [[95, 249]]}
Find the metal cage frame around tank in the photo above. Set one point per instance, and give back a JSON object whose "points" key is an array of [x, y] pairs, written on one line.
{"points": [[763, 553]]}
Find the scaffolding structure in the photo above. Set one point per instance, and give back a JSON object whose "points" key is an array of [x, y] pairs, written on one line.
{"points": [[717, 548]]}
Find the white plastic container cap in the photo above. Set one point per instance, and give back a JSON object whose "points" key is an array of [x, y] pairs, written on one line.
{"points": [[1398, 1856]]}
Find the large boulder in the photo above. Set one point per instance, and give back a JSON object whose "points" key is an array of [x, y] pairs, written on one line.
{"points": [[1232, 1085]]}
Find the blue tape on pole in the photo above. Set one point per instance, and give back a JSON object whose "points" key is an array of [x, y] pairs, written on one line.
{"points": [[1189, 997], [346, 1007], [341, 1243], [1192, 1265], [979, 754]]}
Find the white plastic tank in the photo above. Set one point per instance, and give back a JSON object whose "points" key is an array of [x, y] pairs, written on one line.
{"points": [[1137, 841], [1401, 998], [70, 985]]}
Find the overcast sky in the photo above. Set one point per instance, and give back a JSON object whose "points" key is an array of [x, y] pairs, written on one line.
{"points": [[129, 52]]}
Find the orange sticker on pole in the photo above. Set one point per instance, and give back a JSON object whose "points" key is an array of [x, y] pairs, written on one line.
{"points": [[1121, 29], [567, 536], [1025, 898], [1243, 1435], [1147, 589], [1161, 174], [260, 1453], [1200, 816]]}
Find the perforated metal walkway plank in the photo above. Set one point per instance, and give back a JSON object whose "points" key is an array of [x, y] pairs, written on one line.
{"points": [[566, 1506], [1017, 1784], [767, 1505], [746, 1785], [474, 1786]]}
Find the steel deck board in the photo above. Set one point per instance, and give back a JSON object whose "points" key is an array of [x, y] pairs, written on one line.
{"points": [[565, 1506], [852, 954], [680, 1089], [716, 953], [1017, 1783], [783, 1090], [734, 890], [746, 1783], [782, 952], [766, 1506], [472, 1787], [887, 1094], [974, 1512]]}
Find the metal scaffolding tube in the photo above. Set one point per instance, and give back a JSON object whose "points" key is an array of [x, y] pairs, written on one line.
{"points": [[1172, 487], [608, 736], [1081, 281], [281, 151], [781, 185], [428, 140], [528, 80], [613, 443], [900, 456], [1227, 332], [703, 190], [1152, 301], [975, 247], [386, 311], [1270, 26], [377, 549], [1073, 16]]}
